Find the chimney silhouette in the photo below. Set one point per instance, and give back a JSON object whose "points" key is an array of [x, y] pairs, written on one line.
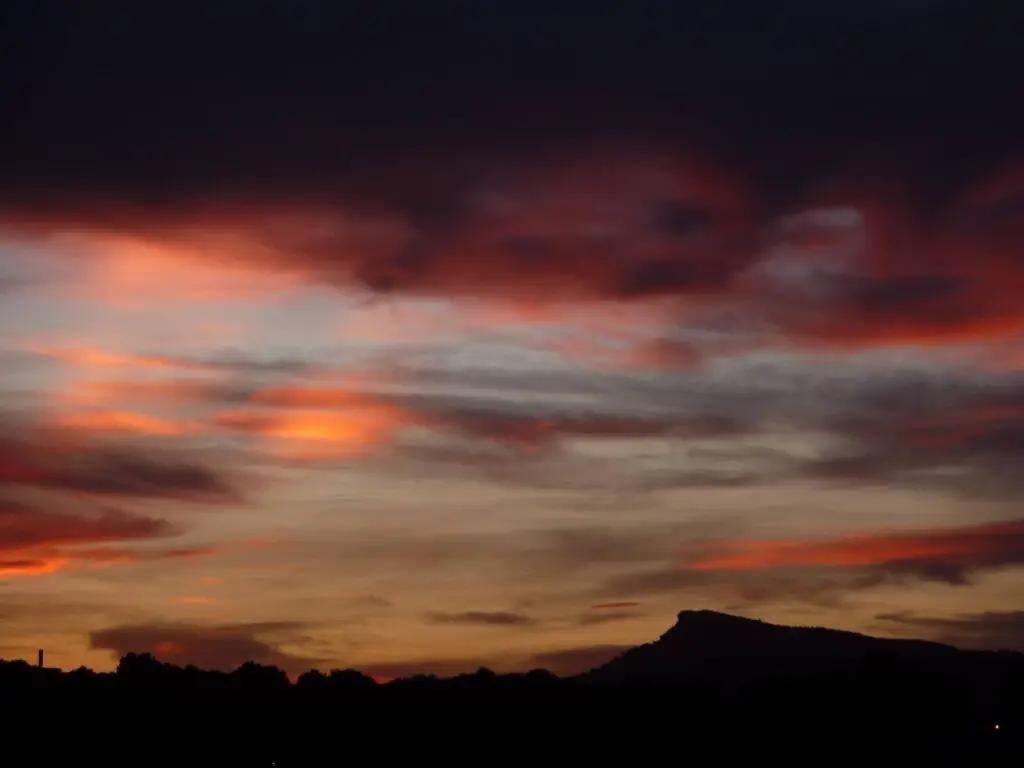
{"points": [[40, 661]]}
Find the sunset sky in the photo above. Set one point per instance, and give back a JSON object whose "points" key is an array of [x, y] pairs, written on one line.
{"points": [[419, 343]]}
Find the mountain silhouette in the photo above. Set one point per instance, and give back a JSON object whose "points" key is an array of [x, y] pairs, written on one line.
{"points": [[712, 676], [722, 649]]}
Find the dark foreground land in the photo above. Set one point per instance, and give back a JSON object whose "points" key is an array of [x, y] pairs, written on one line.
{"points": [[713, 688]]}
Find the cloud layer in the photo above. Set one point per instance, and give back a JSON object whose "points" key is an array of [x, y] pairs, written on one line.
{"points": [[223, 648], [535, 326], [836, 226]]}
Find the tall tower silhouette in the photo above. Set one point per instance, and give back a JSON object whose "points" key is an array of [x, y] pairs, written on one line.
{"points": [[39, 662]]}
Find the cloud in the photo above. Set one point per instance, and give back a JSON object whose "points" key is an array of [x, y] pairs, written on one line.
{"points": [[948, 555], [967, 445], [888, 418], [485, 415], [649, 165], [822, 571], [129, 272], [354, 431], [340, 422], [988, 629], [819, 587], [596, 241], [675, 272], [124, 474], [196, 600], [870, 417], [45, 459], [547, 554], [226, 362], [35, 540], [172, 391], [614, 567], [112, 422], [606, 617], [224, 647], [371, 601], [482, 618], [189, 552], [887, 411]]}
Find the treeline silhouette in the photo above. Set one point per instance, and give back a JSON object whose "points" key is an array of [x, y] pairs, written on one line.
{"points": [[963, 708]]}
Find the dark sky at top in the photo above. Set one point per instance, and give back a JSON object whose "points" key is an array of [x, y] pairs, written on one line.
{"points": [[152, 101]]}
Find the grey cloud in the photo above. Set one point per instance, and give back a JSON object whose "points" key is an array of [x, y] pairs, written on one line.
{"points": [[34, 460], [133, 475], [814, 572], [222, 648], [858, 401], [821, 587], [729, 396], [482, 618], [551, 553], [988, 629]]}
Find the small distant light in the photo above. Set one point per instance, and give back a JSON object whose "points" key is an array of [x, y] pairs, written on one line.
{"points": [[997, 726]]}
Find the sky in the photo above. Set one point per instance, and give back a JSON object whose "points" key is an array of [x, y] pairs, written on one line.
{"points": [[496, 335]]}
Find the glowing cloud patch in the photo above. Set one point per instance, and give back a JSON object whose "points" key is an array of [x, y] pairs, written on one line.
{"points": [[992, 543], [316, 434]]}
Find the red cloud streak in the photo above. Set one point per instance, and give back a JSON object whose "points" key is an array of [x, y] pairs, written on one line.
{"points": [[994, 544], [35, 541], [613, 223]]}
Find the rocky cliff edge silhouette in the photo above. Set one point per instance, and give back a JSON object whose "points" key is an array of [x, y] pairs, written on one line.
{"points": [[722, 649]]}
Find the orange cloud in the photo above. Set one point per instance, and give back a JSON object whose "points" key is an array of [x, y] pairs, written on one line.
{"points": [[42, 560], [97, 358], [45, 559], [351, 432], [31, 567], [23, 525], [598, 223], [351, 422], [198, 600], [128, 270], [607, 222], [981, 545], [119, 392], [310, 397], [121, 421], [35, 541]]}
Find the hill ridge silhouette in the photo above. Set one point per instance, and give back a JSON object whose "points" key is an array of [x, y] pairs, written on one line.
{"points": [[727, 674], [706, 644], [702, 631]]}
